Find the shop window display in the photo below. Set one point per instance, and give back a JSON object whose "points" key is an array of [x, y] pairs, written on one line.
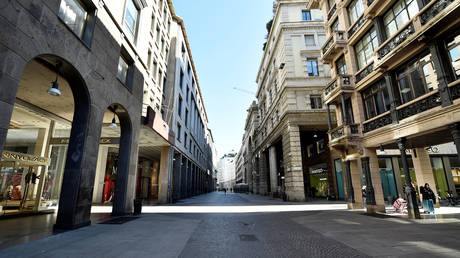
{"points": [[110, 176], [455, 165], [388, 179], [319, 180], [439, 174]]}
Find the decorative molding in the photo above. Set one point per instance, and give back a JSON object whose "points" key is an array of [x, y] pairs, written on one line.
{"points": [[337, 132], [434, 10], [377, 123], [331, 12], [365, 72], [396, 41], [420, 106], [357, 25]]}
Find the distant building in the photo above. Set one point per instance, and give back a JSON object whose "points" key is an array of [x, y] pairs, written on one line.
{"points": [[226, 171]]}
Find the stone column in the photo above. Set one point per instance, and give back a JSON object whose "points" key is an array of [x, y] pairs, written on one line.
{"points": [[397, 172], [262, 173], [442, 75], [455, 131], [273, 170], [349, 183], [292, 157], [423, 169], [189, 178], [376, 180], [412, 205], [450, 178], [176, 180], [355, 173], [100, 173], [329, 119], [345, 119], [163, 177]]}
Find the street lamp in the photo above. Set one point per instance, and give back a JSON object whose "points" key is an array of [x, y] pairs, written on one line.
{"points": [[114, 122]]}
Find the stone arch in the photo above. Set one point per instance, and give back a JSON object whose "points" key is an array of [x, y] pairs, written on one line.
{"points": [[124, 156], [74, 160]]}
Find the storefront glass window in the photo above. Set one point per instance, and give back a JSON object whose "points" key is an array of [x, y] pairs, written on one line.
{"points": [[319, 180], [439, 176], [388, 179], [455, 165], [411, 170], [339, 176]]}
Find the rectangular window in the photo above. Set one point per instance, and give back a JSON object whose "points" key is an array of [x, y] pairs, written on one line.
{"points": [[122, 73], [355, 9], [179, 131], [185, 140], [321, 39], [186, 117], [152, 24], [365, 48], [149, 60], [179, 106], [187, 94], [309, 40], [453, 47], [131, 16], [341, 65], [74, 15], [416, 78], [398, 15], [158, 35], [316, 102], [306, 15], [189, 69], [376, 99], [335, 25], [181, 80], [312, 67], [155, 69]]}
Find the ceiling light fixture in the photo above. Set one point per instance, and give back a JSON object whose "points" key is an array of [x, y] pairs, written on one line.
{"points": [[54, 90], [114, 122]]}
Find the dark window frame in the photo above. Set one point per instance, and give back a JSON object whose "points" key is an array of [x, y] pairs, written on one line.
{"points": [[90, 22]]}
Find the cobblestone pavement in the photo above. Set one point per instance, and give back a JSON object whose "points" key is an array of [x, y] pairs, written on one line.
{"points": [[326, 231]]}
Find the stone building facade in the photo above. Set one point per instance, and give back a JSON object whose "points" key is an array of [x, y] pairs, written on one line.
{"points": [[82, 89], [395, 74], [286, 131]]}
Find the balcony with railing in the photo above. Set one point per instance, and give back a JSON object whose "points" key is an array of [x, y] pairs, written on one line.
{"points": [[345, 135], [336, 42], [430, 15], [340, 84], [331, 12]]}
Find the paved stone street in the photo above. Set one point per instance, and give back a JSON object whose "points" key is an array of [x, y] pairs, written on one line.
{"points": [[204, 227]]}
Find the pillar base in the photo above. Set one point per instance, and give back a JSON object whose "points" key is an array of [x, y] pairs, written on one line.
{"points": [[354, 206], [57, 228], [370, 209], [411, 214]]}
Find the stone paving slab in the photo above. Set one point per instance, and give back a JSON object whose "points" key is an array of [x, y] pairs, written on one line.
{"points": [[308, 233]]}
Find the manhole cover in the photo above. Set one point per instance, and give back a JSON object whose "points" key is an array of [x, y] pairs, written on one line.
{"points": [[119, 220], [248, 238]]}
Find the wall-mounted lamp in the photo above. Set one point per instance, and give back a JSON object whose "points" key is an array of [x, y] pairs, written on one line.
{"points": [[114, 122], [54, 90]]}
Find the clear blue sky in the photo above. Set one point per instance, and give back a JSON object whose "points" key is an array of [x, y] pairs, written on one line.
{"points": [[226, 38]]}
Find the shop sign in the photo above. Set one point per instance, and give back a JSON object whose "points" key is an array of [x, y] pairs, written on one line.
{"points": [[318, 171], [25, 158], [103, 140]]}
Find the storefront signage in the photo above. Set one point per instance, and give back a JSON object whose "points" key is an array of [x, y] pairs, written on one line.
{"points": [[318, 171], [106, 140], [25, 159]]}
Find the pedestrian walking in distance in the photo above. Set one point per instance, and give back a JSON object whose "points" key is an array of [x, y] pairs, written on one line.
{"points": [[429, 199], [225, 191]]}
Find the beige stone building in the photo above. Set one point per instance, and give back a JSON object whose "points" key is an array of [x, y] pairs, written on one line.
{"points": [[394, 67], [286, 131]]}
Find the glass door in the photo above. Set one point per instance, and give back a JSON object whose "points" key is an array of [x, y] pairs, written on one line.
{"points": [[339, 176]]}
